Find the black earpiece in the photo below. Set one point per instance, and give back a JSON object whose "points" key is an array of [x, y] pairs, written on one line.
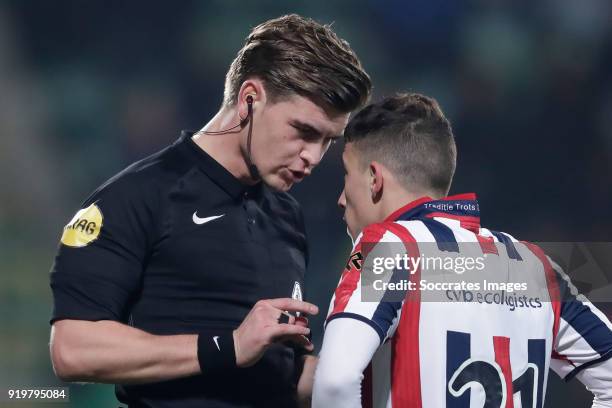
{"points": [[249, 101], [252, 167], [243, 122]]}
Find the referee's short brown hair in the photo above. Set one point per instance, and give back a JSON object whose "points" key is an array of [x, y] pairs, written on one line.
{"points": [[410, 135], [296, 55]]}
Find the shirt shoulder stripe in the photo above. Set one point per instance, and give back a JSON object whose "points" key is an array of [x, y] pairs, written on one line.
{"points": [[352, 274], [510, 248]]}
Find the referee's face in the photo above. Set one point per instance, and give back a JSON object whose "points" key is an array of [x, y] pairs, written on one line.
{"points": [[290, 138]]}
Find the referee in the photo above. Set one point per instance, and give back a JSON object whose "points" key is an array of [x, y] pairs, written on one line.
{"points": [[175, 278]]}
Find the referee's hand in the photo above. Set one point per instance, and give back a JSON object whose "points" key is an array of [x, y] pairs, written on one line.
{"points": [[262, 327]]}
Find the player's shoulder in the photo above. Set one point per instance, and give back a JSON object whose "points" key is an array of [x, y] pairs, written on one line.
{"points": [[399, 230], [498, 235], [392, 231]]}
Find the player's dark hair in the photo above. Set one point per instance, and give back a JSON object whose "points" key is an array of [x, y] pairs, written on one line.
{"points": [[296, 55], [410, 135]]}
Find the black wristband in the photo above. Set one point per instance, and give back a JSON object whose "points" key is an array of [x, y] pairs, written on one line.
{"points": [[216, 350]]}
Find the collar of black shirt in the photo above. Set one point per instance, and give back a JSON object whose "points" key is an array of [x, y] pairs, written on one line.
{"points": [[219, 174]]}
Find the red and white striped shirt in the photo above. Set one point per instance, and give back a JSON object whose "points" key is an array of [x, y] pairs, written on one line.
{"points": [[414, 353]]}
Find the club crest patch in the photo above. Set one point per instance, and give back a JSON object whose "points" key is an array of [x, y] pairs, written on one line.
{"points": [[83, 228], [356, 261]]}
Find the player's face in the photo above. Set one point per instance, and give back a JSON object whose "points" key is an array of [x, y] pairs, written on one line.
{"points": [[356, 197], [292, 137]]}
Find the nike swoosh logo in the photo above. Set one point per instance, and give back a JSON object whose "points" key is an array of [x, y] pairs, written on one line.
{"points": [[216, 340], [199, 221]]}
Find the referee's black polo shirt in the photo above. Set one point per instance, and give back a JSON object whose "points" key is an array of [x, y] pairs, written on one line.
{"points": [[175, 244]]}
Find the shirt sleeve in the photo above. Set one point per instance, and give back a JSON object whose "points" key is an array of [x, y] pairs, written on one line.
{"points": [[355, 297], [102, 252], [584, 337], [348, 347], [598, 379]]}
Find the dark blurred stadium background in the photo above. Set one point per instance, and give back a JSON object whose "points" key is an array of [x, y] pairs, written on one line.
{"points": [[88, 87]]}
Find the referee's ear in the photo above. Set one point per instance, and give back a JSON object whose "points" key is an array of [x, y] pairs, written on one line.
{"points": [[254, 88], [376, 180]]}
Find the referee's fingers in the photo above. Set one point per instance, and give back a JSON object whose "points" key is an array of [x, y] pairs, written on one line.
{"points": [[301, 321], [286, 317], [293, 305], [298, 340], [284, 330]]}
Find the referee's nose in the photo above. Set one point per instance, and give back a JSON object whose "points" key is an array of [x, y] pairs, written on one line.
{"points": [[312, 154]]}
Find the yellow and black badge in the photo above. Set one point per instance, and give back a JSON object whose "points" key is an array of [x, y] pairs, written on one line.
{"points": [[84, 227]]}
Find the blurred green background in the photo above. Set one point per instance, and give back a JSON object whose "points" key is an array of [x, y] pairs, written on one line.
{"points": [[88, 87]]}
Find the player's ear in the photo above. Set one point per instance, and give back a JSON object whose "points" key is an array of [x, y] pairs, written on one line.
{"points": [[376, 180]]}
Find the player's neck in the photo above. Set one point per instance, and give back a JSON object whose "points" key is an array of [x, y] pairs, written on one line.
{"points": [[396, 198], [225, 148]]}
